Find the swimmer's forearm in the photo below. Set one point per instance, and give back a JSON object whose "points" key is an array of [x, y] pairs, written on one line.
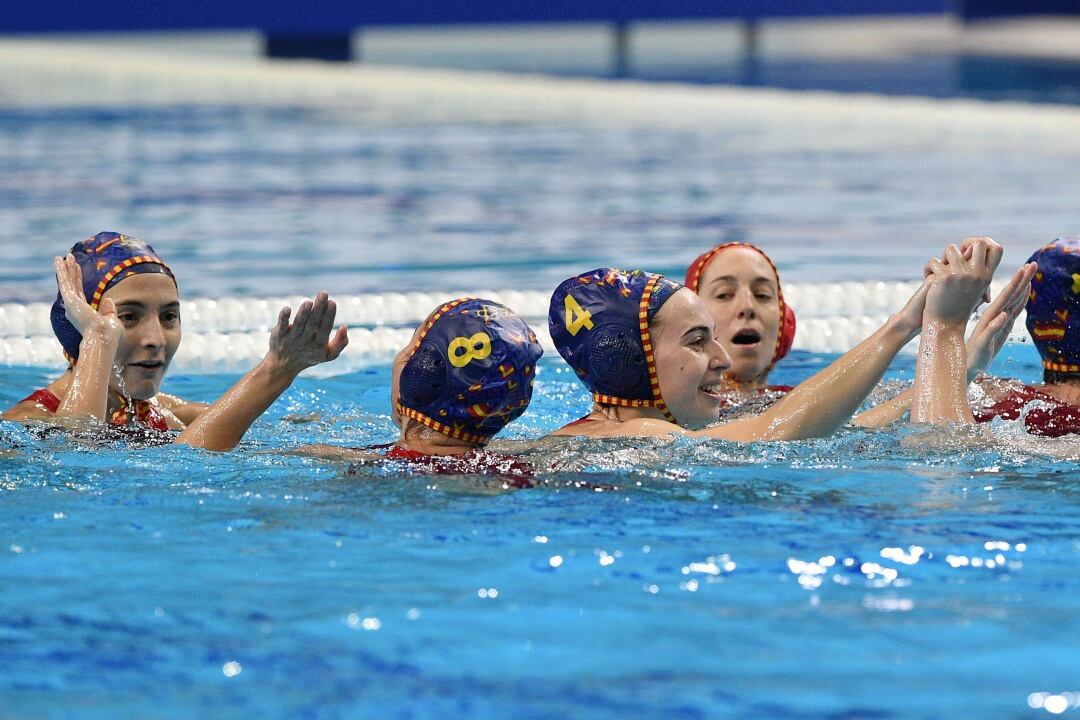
{"points": [[87, 397], [334, 452], [818, 406], [941, 379], [223, 424], [886, 413]]}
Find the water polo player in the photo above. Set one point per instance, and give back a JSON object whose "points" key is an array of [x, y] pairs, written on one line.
{"points": [[986, 339], [117, 316], [137, 330], [740, 286], [1053, 321], [644, 347], [466, 373]]}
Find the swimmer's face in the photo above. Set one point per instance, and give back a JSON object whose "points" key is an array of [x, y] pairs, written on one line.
{"points": [[740, 291], [149, 307], [689, 361], [395, 371]]}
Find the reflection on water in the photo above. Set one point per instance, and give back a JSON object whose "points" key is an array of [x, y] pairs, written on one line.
{"points": [[260, 202], [638, 579]]}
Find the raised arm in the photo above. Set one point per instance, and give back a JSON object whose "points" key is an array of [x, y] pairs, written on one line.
{"points": [[983, 345], [87, 397], [941, 378], [293, 348], [821, 404]]}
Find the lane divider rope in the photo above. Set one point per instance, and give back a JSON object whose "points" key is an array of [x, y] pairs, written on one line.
{"points": [[229, 335]]}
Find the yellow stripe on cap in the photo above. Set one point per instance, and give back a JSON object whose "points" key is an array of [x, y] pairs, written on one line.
{"points": [[95, 300], [456, 433]]}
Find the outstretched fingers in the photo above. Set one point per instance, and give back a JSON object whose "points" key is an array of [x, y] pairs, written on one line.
{"points": [[315, 319], [337, 343], [301, 319], [326, 317], [281, 327], [69, 279], [1020, 293]]}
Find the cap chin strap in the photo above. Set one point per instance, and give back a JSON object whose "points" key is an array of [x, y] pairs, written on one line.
{"points": [[650, 356], [442, 428], [1061, 367]]}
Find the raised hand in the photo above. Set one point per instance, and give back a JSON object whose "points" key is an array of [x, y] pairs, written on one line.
{"points": [[306, 341], [102, 322], [959, 282], [293, 347], [997, 320]]}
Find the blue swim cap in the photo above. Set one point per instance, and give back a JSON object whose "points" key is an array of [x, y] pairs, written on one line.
{"points": [[599, 322], [471, 370], [105, 259], [1053, 307]]}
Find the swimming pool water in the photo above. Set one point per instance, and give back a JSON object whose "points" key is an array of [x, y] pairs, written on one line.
{"points": [[856, 576], [263, 201]]}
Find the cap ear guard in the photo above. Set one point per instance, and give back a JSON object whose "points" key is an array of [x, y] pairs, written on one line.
{"points": [[615, 359], [423, 379], [65, 332], [786, 338]]}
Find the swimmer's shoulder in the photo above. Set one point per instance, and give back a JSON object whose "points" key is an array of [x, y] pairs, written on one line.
{"points": [[590, 426], [997, 388], [582, 426], [40, 404]]}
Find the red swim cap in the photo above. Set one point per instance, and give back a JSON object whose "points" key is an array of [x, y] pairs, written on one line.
{"points": [[786, 336]]}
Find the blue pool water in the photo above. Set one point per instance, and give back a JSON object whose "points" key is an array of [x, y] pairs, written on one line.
{"points": [[246, 201], [859, 576], [848, 577]]}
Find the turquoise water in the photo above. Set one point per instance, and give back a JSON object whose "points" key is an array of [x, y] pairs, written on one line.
{"points": [[859, 576], [848, 577]]}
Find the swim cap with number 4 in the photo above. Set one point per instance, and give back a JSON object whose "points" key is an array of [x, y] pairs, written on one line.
{"points": [[599, 322], [471, 370]]}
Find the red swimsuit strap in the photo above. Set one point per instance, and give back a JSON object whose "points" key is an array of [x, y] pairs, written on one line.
{"points": [[145, 412], [45, 398]]}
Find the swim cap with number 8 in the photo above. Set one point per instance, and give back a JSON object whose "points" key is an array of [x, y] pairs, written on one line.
{"points": [[471, 370]]}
